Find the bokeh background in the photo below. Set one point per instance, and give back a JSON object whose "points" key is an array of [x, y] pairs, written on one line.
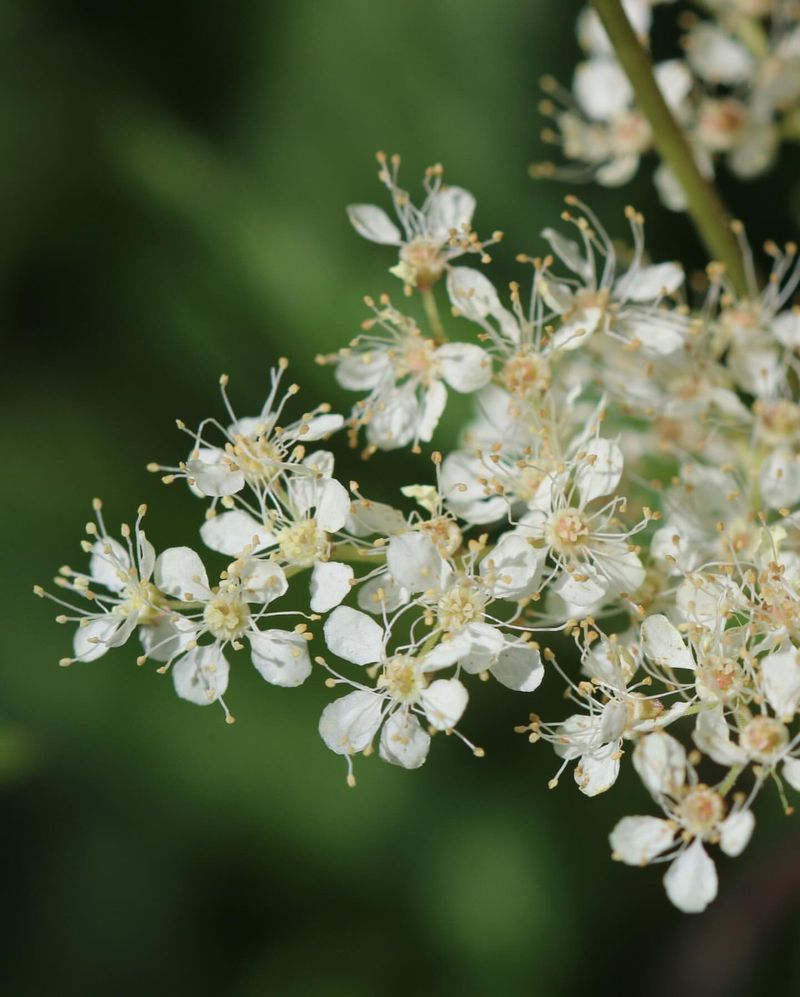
{"points": [[173, 180]]}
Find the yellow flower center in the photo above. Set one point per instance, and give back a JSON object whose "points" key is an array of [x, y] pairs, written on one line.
{"points": [[460, 605], [226, 616], [568, 531], [702, 809], [402, 679], [303, 543]]}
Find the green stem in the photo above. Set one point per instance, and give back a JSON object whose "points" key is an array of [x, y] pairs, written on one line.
{"points": [[728, 782], [705, 206], [432, 314]]}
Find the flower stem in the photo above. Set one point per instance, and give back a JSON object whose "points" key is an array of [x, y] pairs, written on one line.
{"points": [[432, 314], [705, 206], [729, 781]]}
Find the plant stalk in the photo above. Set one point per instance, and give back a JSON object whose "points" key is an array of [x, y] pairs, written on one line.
{"points": [[705, 206]]}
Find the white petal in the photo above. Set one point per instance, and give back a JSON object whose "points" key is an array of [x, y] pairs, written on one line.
{"points": [[649, 283], [691, 880], [163, 640], [584, 587], [333, 506], [781, 680], [513, 568], [450, 208], [573, 334], [109, 564], [663, 645], [201, 675], [620, 568], [735, 832], [354, 636], [713, 737], [791, 772], [147, 555], [320, 427], [262, 581], [519, 667], [374, 224], [780, 479], [368, 517], [597, 772], [674, 81], [717, 57], [382, 594], [637, 840], [660, 761], [330, 583], [92, 641], [179, 572], [465, 366], [472, 293], [414, 562], [349, 724], [569, 252], [786, 328], [602, 88], [433, 404], [599, 470], [214, 480], [230, 532], [281, 657], [363, 371], [395, 421], [404, 742], [478, 644], [444, 701]]}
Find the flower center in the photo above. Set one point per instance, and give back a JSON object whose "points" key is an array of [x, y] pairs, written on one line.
{"points": [[702, 810], [568, 531], [764, 738], [460, 605], [303, 543], [226, 616], [416, 358], [422, 262], [402, 679], [259, 458], [526, 373]]}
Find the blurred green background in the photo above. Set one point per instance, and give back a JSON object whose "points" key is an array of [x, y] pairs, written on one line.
{"points": [[174, 179]]}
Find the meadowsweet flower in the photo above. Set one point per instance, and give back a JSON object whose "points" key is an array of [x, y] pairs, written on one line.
{"points": [[429, 236]]}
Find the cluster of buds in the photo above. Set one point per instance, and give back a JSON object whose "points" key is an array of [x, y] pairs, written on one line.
{"points": [[735, 89], [630, 479]]}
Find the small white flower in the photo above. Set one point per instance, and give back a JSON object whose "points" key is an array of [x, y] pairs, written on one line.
{"points": [[430, 236]]}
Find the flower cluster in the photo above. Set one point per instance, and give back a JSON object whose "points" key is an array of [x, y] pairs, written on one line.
{"points": [[735, 90], [630, 480]]}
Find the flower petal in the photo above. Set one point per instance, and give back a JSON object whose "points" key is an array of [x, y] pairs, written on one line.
{"points": [[372, 222], [349, 724], [354, 636], [281, 657], [179, 572], [691, 880], [444, 702], [637, 840], [404, 742], [330, 583], [201, 675]]}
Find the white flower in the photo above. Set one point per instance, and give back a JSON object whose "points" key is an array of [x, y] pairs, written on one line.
{"points": [[228, 613], [403, 692], [406, 376], [430, 236], [117, 586]]}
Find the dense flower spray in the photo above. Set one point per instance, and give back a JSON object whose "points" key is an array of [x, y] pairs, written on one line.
{"points": [[630, 480]]}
